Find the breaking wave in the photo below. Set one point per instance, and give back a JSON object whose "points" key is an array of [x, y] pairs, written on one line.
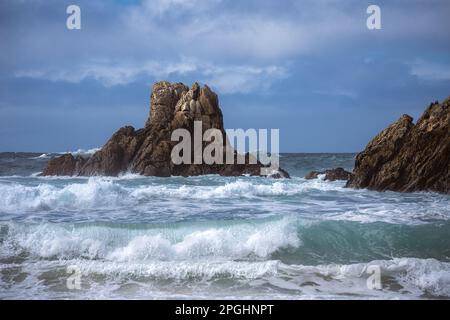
{"points": [[272, 253], [45, 195], [116, 243], [81, 152], [217, 237], [106, 192], [287, 239]]}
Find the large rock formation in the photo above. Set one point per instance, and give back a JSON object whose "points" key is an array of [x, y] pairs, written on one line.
{"points": [[147, 151], [408, 157]]}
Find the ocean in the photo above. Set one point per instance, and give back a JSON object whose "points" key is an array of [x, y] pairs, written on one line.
{"points": [[134, 237]]}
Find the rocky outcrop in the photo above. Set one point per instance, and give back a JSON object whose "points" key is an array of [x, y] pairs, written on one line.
{"points": [[408, 157], [330, 175], [65, 165], [147, 151]]}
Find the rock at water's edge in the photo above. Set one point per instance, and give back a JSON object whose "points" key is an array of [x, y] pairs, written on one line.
{"points": [[330, 175], [147, 151], [65, 165], [408, 157]]}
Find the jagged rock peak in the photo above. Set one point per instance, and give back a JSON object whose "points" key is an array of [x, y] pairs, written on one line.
{"points": [[408, 157], [147, 151]]}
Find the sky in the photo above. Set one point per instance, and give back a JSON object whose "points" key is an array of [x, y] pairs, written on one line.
{"points": [[310, 68]]}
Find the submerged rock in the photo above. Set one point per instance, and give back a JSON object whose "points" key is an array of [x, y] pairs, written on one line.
{"points": [[147, 151], [408, 157], [330, 175]]}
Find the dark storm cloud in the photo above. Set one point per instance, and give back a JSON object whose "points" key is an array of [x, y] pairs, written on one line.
{"points": [[307, 67]]}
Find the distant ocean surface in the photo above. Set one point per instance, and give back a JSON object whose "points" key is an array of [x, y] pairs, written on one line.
{"points": [[217, 237]]}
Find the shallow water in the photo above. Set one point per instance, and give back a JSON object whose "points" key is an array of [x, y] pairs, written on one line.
{"points": [[217, 237]]}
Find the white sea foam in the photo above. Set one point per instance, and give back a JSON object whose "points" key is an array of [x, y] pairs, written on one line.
{"points": [[183, 270], [236, 189], [98, 192], [190, 242], [402, 278], [200, 236], [194, 255], [42, 156], [149, 195], [82, 151], [74, 196], [412, 277]]}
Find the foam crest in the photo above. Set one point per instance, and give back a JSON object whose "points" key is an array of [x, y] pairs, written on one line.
{"points": [[98, 192], [233, 242], [403, 278], [82, 152], [238, 241], [112, 197], [410, 277], [238, 189], [74, 196], [182, 270]]}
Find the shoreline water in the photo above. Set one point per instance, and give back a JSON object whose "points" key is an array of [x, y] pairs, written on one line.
{"points": [[218, 237]]}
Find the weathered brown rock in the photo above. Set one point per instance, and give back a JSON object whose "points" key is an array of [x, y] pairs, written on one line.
{"points": [[406, 157], [330, 175], [148, 151], [65, 165], [115, 155]]}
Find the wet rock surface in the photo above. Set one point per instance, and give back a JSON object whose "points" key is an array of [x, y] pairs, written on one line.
{"points": [[330, 175]]}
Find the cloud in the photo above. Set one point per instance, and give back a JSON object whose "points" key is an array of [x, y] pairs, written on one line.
{"points": [[247, 40], [226, 78], [211, 29], [304, 58], [244, 79], [161, 8], [108, 73], [430, 71]]}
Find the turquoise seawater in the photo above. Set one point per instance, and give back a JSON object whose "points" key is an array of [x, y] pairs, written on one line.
{"points": [[217, 237]]}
